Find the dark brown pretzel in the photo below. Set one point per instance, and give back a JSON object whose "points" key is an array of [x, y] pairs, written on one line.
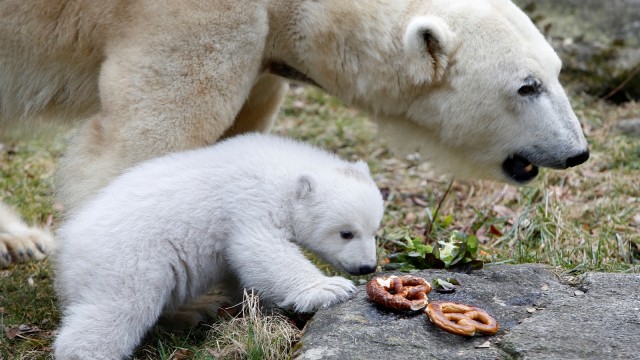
{"points": [[461, 319], [399, 292]]}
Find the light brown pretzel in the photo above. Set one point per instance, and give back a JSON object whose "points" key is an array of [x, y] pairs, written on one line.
{"points": [[405, 292], [461, 319]]}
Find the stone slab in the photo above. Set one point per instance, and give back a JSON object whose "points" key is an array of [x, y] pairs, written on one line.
{"points": [[541, 316]]}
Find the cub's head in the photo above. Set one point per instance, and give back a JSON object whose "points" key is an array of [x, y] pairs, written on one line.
{"points": [[483, 96], [336, 215]]}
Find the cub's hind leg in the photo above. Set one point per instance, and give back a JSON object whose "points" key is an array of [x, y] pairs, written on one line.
{"points": [[105, 328]]}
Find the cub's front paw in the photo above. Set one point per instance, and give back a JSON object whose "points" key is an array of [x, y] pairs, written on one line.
{"points": [[330, 291]]}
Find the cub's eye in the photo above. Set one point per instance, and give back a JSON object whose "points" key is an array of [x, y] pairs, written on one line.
{"points": [[347, 235]]}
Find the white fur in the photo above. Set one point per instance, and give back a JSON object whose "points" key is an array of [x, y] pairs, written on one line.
{"points": [[154, 77], [423, 65], [18, 241], [165, 231]]}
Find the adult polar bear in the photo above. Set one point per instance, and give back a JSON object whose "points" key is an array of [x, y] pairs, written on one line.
{"points": [[469, 83]]}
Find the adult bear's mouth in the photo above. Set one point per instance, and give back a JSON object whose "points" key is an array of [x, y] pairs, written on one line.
{"points": [[519, 168]]}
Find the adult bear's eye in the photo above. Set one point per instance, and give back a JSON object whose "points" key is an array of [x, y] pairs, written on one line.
{"points": [[531, 87], [347, 235], [527, 90]]}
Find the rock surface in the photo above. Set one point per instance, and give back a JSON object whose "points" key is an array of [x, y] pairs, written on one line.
{"points": [[597, 40], [541, 316]]}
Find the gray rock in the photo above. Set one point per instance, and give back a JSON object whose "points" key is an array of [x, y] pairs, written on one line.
{"points": [[541, 316], [604, 323], [597, 40]]}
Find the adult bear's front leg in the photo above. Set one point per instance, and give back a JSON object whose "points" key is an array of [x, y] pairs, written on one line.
{"points": [[173, 84], [261, 108]]}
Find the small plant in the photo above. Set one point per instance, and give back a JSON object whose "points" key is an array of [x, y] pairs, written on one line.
{"points": [[458, 253], [445, 286]]}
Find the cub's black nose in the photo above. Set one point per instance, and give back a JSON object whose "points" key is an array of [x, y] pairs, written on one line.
{"points": [[578, 159], [366, 269]]}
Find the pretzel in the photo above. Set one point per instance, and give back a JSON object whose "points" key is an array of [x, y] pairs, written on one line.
{"points": [[461, 319], [399, 292]]}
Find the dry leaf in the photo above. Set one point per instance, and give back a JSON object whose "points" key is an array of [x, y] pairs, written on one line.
{"points": [[410, 218], [12, 332], [482, 236], [181, 354], [495, 231], [503, 211]]}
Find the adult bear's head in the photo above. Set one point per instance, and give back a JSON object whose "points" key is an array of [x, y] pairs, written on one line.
{"points": [[470, 84], [498, 109]]}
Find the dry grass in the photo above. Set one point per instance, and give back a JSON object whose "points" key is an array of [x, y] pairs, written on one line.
{"points": [[253, 335]]}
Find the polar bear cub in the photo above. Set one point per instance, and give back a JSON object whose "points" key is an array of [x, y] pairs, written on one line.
{"points": [[164, 232]]}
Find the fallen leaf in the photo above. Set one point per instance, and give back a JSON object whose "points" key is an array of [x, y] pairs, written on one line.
{"points": [[481, 234], [495, 231], [419, 202], [503, 211], [410, 218], [181, 354], [12, 332]]}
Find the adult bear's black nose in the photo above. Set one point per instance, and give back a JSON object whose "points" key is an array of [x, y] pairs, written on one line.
{"points": [[578, 159]]}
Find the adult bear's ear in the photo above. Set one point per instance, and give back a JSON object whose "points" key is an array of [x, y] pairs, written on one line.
{"points": [[305, 186], [428, 43]]}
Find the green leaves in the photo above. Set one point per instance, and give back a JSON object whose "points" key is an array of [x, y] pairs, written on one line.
{"points": [[445, 286], [458, 253]]}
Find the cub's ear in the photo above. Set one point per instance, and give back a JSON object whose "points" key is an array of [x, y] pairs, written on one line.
{"points": [[428, 43], [305, 186], [361, 166]]}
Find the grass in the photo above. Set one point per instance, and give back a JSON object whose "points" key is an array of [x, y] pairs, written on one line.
{"points": [[581, 219], [253, 335]]}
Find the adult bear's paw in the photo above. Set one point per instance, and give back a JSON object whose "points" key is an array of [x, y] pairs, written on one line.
{"points": [[24, 245]]}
